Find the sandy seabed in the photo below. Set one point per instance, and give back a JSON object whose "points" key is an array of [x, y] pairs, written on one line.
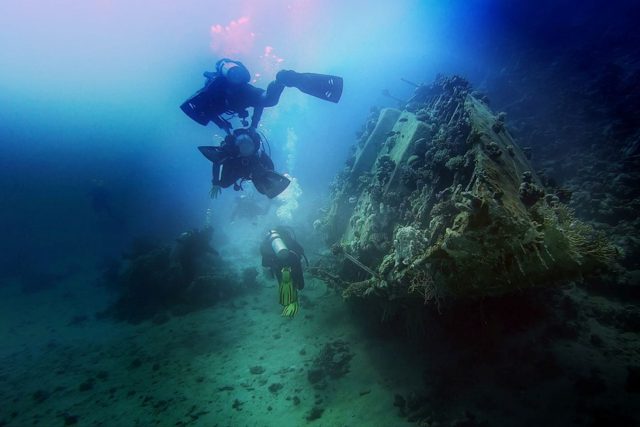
{"points": [[239, 363], [62, 366]]}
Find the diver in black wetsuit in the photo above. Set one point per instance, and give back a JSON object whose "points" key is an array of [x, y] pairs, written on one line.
{"points": [[240, 158], [227, 93]]}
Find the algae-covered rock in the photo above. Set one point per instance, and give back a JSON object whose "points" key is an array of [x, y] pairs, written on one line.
{"points": [[443, 202], [154, 279]]}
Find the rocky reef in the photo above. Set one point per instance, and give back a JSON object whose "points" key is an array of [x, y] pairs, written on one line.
{"points": [[154, 280], [439, 201]]}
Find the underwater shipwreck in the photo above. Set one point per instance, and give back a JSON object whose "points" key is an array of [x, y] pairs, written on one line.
{"points": [[439, 202]]}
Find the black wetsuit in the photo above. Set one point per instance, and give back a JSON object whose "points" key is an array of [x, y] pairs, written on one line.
{"points": [[237, 169], [219, 97]]}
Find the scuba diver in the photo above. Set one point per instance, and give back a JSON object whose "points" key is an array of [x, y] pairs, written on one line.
{"points": [[242, 157], [283, 255], [226, 94]]}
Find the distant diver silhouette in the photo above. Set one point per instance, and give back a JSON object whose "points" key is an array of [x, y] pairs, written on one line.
{"points": [[101, 202]]}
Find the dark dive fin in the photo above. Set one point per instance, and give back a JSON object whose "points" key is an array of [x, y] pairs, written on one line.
{"points": [[321, 86], [196, 107], [270, 183], [215, 154]]}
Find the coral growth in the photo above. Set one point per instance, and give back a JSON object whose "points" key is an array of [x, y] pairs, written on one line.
{"points": [[449, 205], [408, 244], [529, 192]]}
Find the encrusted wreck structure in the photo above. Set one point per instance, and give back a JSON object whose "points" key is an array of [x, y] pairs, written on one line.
{"points": [[438, 200]]}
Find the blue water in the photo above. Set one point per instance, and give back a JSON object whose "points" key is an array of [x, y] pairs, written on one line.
{"points": [[89, 97], [90, 91]]}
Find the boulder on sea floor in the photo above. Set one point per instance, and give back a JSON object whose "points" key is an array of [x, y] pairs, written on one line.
{"points": [[332, 362], [438, 200], [155, 279]]}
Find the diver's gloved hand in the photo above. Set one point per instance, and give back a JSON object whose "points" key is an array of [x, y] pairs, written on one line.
{"points": [[215, 191]]}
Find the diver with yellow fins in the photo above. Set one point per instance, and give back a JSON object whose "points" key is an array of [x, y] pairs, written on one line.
{"points": [[283, 255]]}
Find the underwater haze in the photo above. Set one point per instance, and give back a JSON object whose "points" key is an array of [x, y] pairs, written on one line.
{"points": [[91, 93], [129, 296]]}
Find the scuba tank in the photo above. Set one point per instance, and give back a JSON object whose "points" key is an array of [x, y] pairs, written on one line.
{"points": [[278, 245], [234, 71]]}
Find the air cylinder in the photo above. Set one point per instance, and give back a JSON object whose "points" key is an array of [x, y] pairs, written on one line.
{"points": [[278, 245]]}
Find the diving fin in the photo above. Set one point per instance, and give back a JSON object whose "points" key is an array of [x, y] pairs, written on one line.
{"points": [[214, 154], [197, 107], [287, 294], [323, 86], [270, 183]]}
